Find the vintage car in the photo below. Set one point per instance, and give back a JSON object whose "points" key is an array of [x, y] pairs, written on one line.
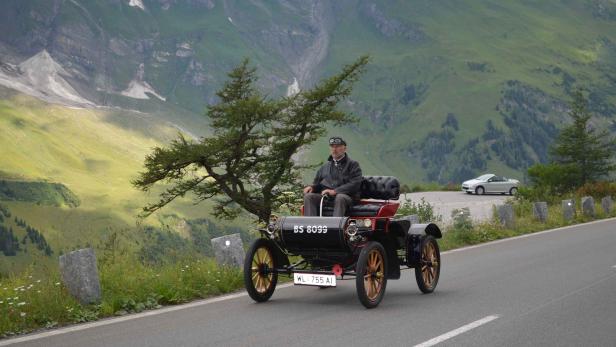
{"points": [[370, 245], [490, 183]]}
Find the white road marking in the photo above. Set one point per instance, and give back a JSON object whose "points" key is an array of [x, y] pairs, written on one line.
{"points": [[456, 332], [109, 321], [527, 235], [60, 331]]}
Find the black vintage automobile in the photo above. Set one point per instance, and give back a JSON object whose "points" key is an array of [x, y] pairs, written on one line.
{"points": [[371, 245]]}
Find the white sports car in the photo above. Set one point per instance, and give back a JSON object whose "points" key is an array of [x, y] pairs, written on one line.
{"points": [[490, 183]]}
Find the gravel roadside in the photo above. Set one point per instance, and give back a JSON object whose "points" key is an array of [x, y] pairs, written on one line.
{"points": [[480, 206]]}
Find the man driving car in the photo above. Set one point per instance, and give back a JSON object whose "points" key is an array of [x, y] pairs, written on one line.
{"points": [[340, 177]]}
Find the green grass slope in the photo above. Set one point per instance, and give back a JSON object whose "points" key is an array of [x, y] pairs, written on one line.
{"points": [[94, 153]]}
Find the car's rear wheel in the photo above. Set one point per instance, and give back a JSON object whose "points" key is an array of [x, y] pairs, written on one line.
{"points": [[513, 191], [260, 277], [429, 269], [480, 190], [371, 271]]}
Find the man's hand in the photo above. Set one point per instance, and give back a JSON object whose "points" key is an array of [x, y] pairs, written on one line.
{"points": [[308, 189], [329, 192]]}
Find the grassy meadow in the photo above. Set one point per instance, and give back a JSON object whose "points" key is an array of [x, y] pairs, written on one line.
{"points": [[94, 153]]}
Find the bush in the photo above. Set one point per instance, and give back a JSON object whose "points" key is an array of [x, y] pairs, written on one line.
{"points": [[423, 210], [558, 178], [597, 190], [462, 228]]}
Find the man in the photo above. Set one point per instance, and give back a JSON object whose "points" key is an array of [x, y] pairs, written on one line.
{"points": [[339, 177]]}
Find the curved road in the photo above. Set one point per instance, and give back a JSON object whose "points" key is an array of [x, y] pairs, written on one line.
{"points": [[555, 288]]}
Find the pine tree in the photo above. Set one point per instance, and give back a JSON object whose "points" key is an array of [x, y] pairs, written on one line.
{"points": [[247, 161], [582, 147]]}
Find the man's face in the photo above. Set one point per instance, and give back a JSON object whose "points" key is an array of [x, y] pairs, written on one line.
{"points": [[337, 150]]}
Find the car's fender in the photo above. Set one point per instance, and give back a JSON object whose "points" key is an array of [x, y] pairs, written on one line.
{"points": [[425, 229], [281, 258]]}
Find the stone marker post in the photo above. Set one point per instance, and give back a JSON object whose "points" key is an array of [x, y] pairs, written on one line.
{"points": [[588, 206], [607, 205], [80, 275], [568, 207], [229, 250], [506, 215], [540, 211]]}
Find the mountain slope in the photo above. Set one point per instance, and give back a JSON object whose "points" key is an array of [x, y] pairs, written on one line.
{"points": [[440, 70]]}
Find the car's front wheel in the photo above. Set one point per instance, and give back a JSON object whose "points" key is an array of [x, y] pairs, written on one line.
{"points": [[260, 277], [371, 272], [480, 190]]}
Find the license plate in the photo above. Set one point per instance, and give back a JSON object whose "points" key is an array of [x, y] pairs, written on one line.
{"points": [[314, 279]]}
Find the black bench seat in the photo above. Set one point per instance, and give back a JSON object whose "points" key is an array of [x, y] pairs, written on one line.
{"points": [[380, 188]]}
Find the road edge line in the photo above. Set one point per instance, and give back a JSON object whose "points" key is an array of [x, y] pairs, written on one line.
{"points": [[531, 234], [113, 320]]}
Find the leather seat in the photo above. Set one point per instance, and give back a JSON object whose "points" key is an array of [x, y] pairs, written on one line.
{"points": [[359, 210], [380, 188], [372, 187]]}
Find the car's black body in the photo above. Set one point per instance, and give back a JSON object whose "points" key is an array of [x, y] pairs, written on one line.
{"points": [[348, 246]]}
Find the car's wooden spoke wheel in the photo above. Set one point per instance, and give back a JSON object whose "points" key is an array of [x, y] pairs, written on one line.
{"points": [[429, 268], [262, 262], [371, 272], [260, 276], [373, 278]]}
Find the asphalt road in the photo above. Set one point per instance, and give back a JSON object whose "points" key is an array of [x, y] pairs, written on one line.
{"points": [[480, 206], [556, 288]]}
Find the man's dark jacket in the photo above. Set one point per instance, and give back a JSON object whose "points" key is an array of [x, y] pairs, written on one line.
{"points": [[344, 178]]}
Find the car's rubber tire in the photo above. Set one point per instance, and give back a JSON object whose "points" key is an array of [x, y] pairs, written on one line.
{"points": [[428, 271], [480, 190], [371, 270], [513, 191], [259, 258]]}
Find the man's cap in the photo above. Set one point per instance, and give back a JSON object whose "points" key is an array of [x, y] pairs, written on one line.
{"points": [[336, 140]]}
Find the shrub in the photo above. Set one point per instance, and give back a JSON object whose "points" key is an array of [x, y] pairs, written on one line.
{"points": [[597, 190], [423, 209], [462, 227], [558, 178]]}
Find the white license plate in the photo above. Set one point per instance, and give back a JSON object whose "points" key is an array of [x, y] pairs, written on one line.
{"points": [[314, 279]]}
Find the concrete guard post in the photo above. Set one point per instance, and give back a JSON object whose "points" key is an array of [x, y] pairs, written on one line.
{"points": [[568, 207], [588, 206], [80, 275], [506, 215], [608, 204], [229, 250], [540, 211]]}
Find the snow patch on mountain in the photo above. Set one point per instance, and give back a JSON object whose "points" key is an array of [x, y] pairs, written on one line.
{"points": [[293, 88], [140, 90], [136, 3], [42, 77]]}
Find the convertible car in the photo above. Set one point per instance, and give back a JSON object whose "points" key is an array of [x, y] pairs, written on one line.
{"points": [[490, 183], [371, 245]]}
